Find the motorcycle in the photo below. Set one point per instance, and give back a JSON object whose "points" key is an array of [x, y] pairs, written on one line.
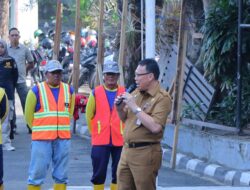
{"points": [[37, 73], [87, 69]]}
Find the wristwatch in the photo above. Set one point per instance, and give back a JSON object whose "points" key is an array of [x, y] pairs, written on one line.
{"points": [[138, 109]]}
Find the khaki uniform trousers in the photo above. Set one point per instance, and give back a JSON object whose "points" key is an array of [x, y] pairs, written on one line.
{"points": [[138, 167]]}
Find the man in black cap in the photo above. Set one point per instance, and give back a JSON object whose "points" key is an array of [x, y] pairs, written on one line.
{"points": [[105, 127]]}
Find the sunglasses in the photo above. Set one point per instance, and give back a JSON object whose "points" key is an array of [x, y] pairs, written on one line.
{"points": [[56, 72], [112, 74], [14, 35], [141, 74]]}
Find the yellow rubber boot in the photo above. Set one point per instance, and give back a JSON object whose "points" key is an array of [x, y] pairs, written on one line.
{"points": [[1, 187], [113, 186], [99, 187], [58, 186], [33, 187]]}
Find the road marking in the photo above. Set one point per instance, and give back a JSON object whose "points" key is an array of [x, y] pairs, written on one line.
{"points": [[244, 179], [229, 176], [210, 169], [179, 156], [191, 165]]}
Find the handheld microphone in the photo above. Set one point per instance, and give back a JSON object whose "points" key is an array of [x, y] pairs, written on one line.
{"points": [[130, 89]]}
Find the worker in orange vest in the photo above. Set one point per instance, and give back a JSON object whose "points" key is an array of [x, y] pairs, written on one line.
{"points": [[49, 107], [105, 127]]}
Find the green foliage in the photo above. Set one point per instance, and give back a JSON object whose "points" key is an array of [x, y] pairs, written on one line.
{"points": [[192, 111], [47, 13], [168, 32], [89, 13], [220, 60], [220, 42], [225, 111], [86, 6], [86, 10]]}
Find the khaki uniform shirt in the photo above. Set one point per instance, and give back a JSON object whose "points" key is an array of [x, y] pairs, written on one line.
{"points": [[21, 54], [157, 104]]}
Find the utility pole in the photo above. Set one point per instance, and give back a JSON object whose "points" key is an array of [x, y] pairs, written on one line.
{"points": [[150, 29], [142, 29], [13, 13]]}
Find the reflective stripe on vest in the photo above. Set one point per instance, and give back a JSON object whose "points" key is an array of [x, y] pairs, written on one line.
{"points": [[2, 93], [106, 125], [53, 119]]}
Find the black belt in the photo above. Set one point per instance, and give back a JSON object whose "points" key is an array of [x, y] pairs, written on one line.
{"points": [[139, 144]]}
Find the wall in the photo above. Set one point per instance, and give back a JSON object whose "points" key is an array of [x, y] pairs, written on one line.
{"points": [[230, 151]]}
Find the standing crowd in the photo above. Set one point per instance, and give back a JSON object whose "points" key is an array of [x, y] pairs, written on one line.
{"points": [[126, 126]]}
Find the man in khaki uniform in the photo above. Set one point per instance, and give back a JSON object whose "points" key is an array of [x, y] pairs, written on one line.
{"points": [[145, 113]]}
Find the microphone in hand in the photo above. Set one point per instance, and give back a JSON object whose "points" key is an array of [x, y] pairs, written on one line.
{"points": [[130, 89]]}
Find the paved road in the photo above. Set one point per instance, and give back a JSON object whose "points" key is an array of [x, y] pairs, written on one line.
{"points": [[16, 167]]}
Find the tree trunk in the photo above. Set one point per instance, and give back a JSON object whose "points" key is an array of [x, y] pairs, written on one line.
{"points": [[207, 4], [133, 40], [4, 19]]}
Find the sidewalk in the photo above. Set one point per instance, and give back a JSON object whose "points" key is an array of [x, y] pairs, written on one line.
{"points": [[214, 171]]}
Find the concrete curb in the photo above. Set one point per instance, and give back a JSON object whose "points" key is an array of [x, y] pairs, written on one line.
{"points": [[214, 171]]}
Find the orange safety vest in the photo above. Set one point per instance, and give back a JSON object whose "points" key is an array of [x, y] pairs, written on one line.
{"points": [[52, 120], [106, 124]]}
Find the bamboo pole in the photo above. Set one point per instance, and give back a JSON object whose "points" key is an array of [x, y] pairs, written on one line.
{"points": [[76, 57], [57, 36], [100, 53], [182, 44], [122, 53]]}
